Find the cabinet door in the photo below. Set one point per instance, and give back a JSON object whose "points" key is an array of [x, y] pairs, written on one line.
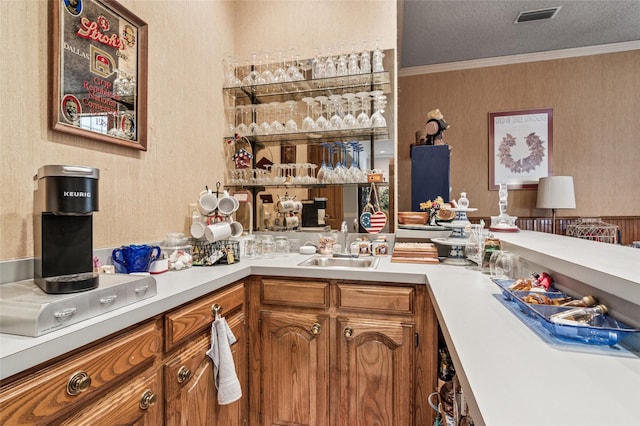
{"points": [[295, 368], [136, 403], [191, 397], [375, 372]]}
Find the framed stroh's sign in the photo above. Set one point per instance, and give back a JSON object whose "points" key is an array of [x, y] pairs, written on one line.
{"points": [[520, 147], [98, 59]]}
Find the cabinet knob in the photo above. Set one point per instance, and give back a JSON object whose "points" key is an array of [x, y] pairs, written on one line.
{"points": [[348, 331], [315, 329], [216, 309], [79, 382], [148, 399], [184, 374]]}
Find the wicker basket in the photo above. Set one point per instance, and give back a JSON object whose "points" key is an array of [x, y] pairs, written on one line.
{"points": [[593, 229], [223, 252]]}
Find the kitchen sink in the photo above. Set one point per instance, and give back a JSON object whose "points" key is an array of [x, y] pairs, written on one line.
{"points": [[341, 262]]}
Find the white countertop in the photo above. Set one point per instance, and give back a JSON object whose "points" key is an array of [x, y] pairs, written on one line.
{"points": [[516, 375]]}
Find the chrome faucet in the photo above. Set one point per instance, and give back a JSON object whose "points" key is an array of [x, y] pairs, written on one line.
{"points": [[344, 229]]}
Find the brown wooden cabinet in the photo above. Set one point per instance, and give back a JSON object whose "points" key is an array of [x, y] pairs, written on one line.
{"points": [[341, 353], [190, 393], [73, 389], [128, 379]]}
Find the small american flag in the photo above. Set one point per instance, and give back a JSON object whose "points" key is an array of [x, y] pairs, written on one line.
{"points": [[373, 222]]}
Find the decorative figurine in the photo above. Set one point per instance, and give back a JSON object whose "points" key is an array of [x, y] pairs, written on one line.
{"points": [[435, 127]]}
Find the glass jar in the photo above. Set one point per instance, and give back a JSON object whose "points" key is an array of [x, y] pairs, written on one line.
{"points": [[281, 246], [252, 247], [268, 246]]}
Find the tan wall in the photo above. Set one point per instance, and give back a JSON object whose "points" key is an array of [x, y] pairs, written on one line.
{"points": [[144, 195], [596, 128]]}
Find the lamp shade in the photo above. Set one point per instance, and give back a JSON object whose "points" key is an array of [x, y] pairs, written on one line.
{"points": [[556, 192]]}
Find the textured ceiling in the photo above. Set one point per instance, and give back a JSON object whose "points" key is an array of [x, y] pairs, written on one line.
{"points": [[444, 31]]}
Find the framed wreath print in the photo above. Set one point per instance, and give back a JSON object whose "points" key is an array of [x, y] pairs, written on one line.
{"points": [[520, 147], [98, 56]]}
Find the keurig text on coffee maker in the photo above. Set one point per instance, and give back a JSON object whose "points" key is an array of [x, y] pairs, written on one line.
{"points": [[65, 198]]}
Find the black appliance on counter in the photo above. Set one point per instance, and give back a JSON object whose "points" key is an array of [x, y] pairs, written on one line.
{"points": [[313, 212], [65, 198]]}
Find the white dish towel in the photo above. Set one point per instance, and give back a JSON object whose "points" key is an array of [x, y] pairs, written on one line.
{"points": [[224, 369]]}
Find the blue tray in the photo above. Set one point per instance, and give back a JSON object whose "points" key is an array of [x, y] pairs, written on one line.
{"points": [[603, 330]]}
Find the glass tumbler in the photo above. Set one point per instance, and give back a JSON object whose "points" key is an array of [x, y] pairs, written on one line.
{"points": [[502, 264]]}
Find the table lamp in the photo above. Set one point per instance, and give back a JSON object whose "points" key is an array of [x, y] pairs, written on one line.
{"points": [[556, 192]]}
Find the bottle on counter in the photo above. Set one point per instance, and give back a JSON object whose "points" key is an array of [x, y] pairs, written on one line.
{"points": [[576, 316], [586, 301]]}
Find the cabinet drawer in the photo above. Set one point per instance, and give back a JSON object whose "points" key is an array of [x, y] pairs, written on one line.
{"points": [[136, 402], [41, 397], [194, 317], [311, 294], [376, 298]]}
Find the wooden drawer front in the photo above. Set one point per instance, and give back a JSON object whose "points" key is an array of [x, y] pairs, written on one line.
{"points": [[377, 298], [122, 405], [184, 322], [42, 397], [311, 294]]}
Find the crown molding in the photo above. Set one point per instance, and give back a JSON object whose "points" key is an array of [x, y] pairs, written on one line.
{"points": [[518, 59]]}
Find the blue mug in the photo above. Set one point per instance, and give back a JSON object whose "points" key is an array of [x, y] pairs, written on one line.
{"points": [[136, 258]]}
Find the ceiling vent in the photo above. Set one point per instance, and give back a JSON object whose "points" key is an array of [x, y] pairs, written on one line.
{"points": [[536, 15]]}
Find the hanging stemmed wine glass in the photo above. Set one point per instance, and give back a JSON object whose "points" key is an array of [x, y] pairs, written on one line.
{"points": [[291, 126], [379, 102], [266, 74], [321, 122], [340, 171], [349, 121], [335, 120], [280, 74], [230, 79], [253, 129], [354, 170], [276, 126], [230, 112], [252, 77], [323, 167], [265, 127], [364, 122], [308, 123], [241, 128], [293, 70]]}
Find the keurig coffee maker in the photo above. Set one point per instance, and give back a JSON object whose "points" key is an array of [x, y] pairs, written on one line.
{"points": [[65, 198], [313, 212]]}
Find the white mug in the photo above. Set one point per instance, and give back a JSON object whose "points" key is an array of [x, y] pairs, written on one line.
{"points": [[197, 230], [236, 229], [285, 206], [207, 203], [217, 231], [227, 205]]}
